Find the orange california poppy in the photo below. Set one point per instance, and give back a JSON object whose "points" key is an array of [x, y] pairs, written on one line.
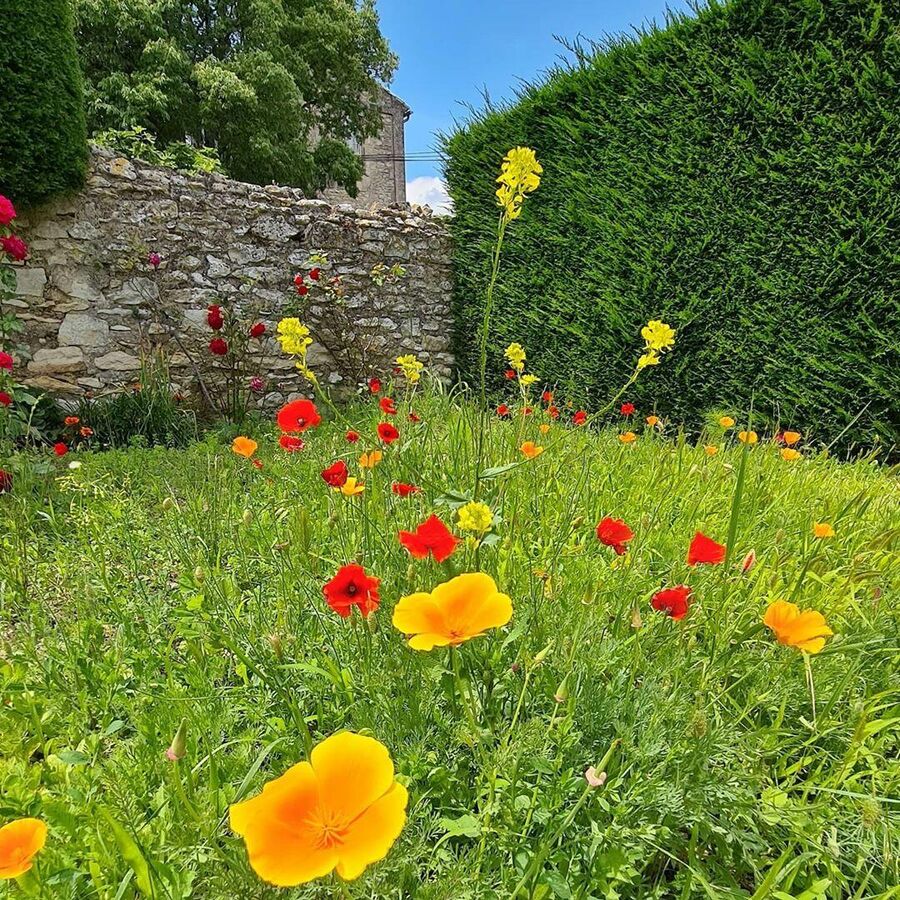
{"points": [[748, 437], [351, 487], [804, 630], [711, 449], [726, 422], [244, 446], [790, 454], [823, 530], [20, 841], [791, 437], [455, 611], [530, 450], [629, 437], [543, 428], [370, 460], [652, 421], [341, 811], [71, 420]]}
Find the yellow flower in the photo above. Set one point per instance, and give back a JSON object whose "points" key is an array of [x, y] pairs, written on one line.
{"points": [[628, 437], [530, 450], [804, 630], [370, 460], [528, 380], [658, 335], [244, 446], [543, 428], [351, 487], [790, 454], [726, 422], [515, 355], [711, 449], [411, 367], [652, 421], [293, 336], [650, 358], [519, 175], [475, 516], [748, 437], [823, 530]]}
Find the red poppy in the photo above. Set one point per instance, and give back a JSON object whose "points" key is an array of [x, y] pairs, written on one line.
{"points": [[336, 474], [674, 601], [297, 416], [387, 406], [404, 490], [218, 346], [414, 417], [6, 482], [257, 330], [527, 410], [627, 409], [510, 374], [433, 537], [553, 412], [387, 432], [60, 449], [352, 587], [503, 410], [374, 385], [5, 399], [315, 273], [352, 436], [547, 396], [290, 443], [214, 317], [579, 418], [85, 431], [6, 361], [614, 533], [705, 550], [257, 462]]}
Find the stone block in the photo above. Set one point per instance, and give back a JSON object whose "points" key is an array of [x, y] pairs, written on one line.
{"points": [[83, 330], [56, 360]]}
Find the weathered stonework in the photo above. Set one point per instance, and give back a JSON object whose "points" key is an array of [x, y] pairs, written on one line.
{"points": [[92, 304]]}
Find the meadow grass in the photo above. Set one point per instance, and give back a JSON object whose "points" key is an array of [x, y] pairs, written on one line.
{"points": [[150, 586]]}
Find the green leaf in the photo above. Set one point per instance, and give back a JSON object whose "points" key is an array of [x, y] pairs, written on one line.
{"points": [[465, 826], [131, 853], [73, 757]]}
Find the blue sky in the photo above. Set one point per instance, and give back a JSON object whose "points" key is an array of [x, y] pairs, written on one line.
{"points": [[450, 51]]}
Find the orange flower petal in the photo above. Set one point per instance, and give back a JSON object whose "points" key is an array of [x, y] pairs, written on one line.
{"points": [[418, 614], [471, 604], [19, 842], [429, 640], [373, 833]]}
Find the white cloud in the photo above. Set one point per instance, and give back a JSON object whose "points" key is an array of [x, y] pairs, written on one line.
{"points": [[428, 190]]}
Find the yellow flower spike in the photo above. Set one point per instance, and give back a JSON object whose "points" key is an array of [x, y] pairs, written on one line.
{"points": [[528, 380], [351, 487], [293, 336], [658, 335], [790, 454], [411, 367], [475, 516], [371, 459], [530, 450], [519, 175], [515, 356], [650, 358], [823, 530], [726, 422], [805, 630]]}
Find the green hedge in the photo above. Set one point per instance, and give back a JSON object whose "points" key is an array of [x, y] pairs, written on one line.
{"points": [[43, 139], [736, 174]]}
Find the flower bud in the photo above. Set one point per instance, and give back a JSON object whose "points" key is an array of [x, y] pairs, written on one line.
{"points": [[541, 655], [578, 521], [562, 692], [199, 575], [277, 645], [636, 620], [178, 747], [247, 517], [594, 778], [168, 504], [749, 562]]}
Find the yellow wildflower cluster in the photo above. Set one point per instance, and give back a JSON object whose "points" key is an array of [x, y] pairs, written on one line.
{"points": [[295, 340], [515, 356], [475, 516], [411, 367], [658, 337], [519, 175]]}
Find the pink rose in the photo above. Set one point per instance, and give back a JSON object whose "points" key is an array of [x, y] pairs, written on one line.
{"points": [[7, 210], [15, 247]]}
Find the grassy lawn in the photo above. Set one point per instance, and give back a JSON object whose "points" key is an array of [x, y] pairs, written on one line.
{"points": [[150, 586]]}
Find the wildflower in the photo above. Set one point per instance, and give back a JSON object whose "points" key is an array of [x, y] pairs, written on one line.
{"points": [[75, 464], [594, 778], [553, 412], [352, 587], [705, 550], [257, 329], [352, 436], [387, 433], [351, 487], [297, 416], [749, 562], [530, 450], [748, 437], [433, 537], [503, 410], [244, 446], [20, 841], [374, 385], [726, 422], [650, 358], [14, 246], [336, 474], [6, 361], [6, 481], [579, 418], [711, 449], [214, 317], [71, 421], [658, 335], [519, 175], [387, 406], [178, 748], [547, 397], [804, 630], [675, 602], [293, 336], [515, 355], [528, 380], [370, 460], [340, 811], [544, 428], [411, 367], [628, 437], [5, 399], [257, 384], [823, 530], [315, 274], [475, 516], [456, 611], [85, 431], [527, 410], [154, 259], [627, 409], [652, 421], [791, 437], [614, 533], [414, 418], [60, 449], [290, 443], [218, 346], [7, 210], [509, 374], [404, 490]]}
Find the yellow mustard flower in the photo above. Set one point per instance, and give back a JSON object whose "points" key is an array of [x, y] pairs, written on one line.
{"points": [[475, 516], [293, 336], [411, 367], [528, 380], [823, 530], [519, 175], [515, 356], [658, 335]]}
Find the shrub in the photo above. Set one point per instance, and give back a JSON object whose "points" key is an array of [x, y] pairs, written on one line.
{"points": [[734, 174], [43, 140]]}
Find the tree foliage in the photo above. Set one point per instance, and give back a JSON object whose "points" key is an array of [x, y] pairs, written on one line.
{"points": [[736, 174], [277, 87]]}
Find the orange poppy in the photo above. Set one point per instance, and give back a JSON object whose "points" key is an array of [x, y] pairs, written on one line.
{"points": [[726, 422], [370, 460], [823, 530], [455, 611], [341, 811], [804, 630], [351, 487], [790, 454], [791, 437], [20, 841], [530, 450], [629, 437], [711, 449], [244, 446], [748, 437], [652, 421], [71, 420]]}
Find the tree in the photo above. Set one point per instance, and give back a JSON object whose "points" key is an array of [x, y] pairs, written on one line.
{"points": [[278, 87], [43, 143]]}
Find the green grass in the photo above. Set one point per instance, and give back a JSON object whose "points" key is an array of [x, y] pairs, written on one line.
{"points": [[150, 585]]}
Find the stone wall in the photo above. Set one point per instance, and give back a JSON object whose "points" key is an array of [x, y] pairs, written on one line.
{"points": [[93, 305]]}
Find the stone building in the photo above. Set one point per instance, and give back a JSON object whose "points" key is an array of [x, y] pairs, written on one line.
{"points": [[384, 181]]}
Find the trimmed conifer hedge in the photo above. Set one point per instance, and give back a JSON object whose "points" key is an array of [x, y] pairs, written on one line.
{"points": [[736, 174], [43, 138]]}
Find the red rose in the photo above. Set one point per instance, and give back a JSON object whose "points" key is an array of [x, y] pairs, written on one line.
{"points": [[673, 601], [579, 418], [290, 443], [352, 436], [218, 346], [60, 449], [387, 432], [315, 273], [298, 415], [5, 399], [257, 330], [433, 537], [503, 410], [6, 479], [6, 361], [214, 317], [387, 406], [704, 550], [15, 247], [374, 385], [336, 474], [404, 490], [627, 409], [7, 210], [614, 533], [352, 587]]}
